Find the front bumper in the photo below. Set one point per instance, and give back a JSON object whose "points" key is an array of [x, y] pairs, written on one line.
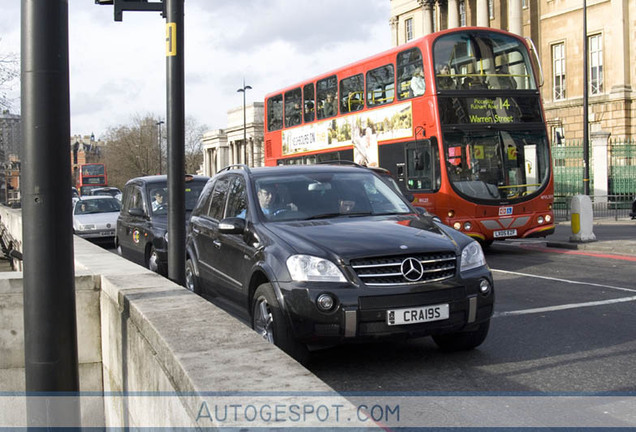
{"points": [[360, 313], [96, 234]]}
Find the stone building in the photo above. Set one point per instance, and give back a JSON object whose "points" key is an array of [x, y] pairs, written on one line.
{"points": [[556, 28], [10, 154], [223, 147]]}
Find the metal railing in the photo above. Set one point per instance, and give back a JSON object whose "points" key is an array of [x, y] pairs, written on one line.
{"points": [[614, 207]]}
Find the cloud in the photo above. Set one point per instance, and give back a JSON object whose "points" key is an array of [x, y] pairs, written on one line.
{"points": [[118, 69]]}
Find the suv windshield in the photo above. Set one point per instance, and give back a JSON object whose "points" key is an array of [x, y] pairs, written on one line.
{"points": [[325, 195]]}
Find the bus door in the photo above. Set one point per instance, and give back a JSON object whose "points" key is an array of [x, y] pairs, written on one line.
{"points": [[422, 174]]}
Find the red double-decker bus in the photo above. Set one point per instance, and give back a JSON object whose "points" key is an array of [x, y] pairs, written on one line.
{"points": [[456, 116], [91, 176]]}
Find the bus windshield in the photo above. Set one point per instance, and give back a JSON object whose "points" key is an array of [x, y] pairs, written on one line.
{"points": [[476, 60], [496, 165]]}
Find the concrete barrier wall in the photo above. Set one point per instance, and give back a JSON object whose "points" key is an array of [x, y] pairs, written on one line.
{"points": [[158, 352]]}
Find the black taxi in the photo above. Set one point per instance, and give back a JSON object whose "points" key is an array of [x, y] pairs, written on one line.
{"points": [[142, 225]]}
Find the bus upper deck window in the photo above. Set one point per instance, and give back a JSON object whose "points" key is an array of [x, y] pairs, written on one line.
{"points": [[309, 105], [381, 85], [293, 112], [327, 97], [408, 62], [275, 113]]}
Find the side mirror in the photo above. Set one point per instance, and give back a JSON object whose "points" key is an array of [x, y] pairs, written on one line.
{"points": [[136, 212], [232, 225], [422, 211]]}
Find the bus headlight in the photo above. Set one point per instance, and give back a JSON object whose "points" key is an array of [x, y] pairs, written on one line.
{"points": [[467, 226], [548, 218], [472, 257], [540, 220], [457, 226]]}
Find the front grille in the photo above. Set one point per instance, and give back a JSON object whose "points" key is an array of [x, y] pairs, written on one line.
{"points": [[404, 270]]}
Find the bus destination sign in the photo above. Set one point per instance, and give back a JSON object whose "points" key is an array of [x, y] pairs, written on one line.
{"points": [[489, 110]]}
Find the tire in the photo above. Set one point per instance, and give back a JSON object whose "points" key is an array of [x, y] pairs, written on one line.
{"points": [[269, 321], [463, 341], [191, 280], [153, 261]]}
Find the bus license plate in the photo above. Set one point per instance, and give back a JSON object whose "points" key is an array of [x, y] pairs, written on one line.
{"points": [[505, 233], [417, 315]]}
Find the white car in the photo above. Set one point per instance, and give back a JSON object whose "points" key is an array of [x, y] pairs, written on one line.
{"points": [[95, 217]]}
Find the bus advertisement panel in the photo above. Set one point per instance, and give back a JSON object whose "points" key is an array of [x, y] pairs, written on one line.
{"points": [[456, 116]]}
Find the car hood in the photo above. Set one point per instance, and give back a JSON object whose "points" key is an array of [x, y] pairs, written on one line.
{"points": [[356, 237], [100, 220]]}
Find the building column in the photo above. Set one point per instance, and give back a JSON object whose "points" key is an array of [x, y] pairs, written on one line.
{"points": [[427, 16], [515, 17], [206, 161], [620, 42], [483, 19], [393, 22], [453, 14], [600, 142]]}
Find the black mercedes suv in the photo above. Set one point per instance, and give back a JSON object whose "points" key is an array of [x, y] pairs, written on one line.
{"points": [[318, 255]]}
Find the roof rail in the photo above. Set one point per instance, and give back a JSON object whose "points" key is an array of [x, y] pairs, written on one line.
{"points": [[236, 166], [340, 162]]}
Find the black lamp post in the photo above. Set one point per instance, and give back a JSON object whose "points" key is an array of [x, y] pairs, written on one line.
{"points": [[159, 123], [244, 90], [586, 144]]}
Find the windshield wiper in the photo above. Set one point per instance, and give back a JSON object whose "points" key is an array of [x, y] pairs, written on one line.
{"points": [[357, 214], [324, 216], [334, 215]]}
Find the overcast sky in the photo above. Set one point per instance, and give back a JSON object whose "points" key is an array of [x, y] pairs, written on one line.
{"points": [[118, 69]]}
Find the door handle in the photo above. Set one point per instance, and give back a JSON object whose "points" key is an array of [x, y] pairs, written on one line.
{"points": [[196, 230], [217, 244]]}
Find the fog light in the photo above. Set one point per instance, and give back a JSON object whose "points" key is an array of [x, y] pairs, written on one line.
{"points": [[548, 218], [457, 226], [467, 226], [540, 219], [484, 287], [325, 302], [451, 213]]}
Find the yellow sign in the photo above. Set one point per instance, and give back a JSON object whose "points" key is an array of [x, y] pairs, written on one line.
{"points": [[478, 152], [512, 153], [171, 39]]}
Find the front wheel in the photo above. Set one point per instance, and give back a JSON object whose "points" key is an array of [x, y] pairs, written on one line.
{"points": [[463, 341], [191, 281], [153, 260], [269, 321]]}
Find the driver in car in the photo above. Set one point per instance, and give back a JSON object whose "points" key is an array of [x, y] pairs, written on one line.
{"points": [[158, 203], [268, 202]]}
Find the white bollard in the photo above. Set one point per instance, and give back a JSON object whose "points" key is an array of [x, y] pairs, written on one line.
{"points": [[582, 219]]}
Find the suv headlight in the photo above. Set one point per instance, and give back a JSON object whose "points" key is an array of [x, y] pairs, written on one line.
{"points": [[313, 269], [472, 257]]}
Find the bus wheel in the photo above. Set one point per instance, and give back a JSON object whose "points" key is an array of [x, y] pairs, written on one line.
{"points": [[463, 341]]}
